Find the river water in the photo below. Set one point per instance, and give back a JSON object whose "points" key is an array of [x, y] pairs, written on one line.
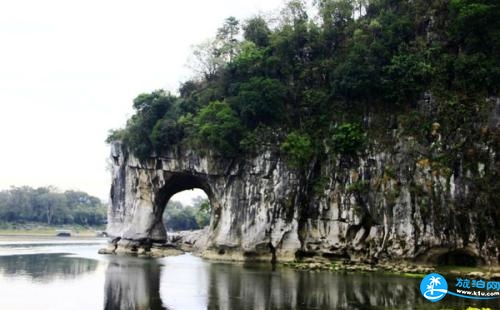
{"points": [[68, 274]]}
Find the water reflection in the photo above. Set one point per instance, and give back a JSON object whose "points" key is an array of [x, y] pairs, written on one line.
{"points": [[238, 287], [46, 267], [132, 283], [59, 281], [205, 286]]}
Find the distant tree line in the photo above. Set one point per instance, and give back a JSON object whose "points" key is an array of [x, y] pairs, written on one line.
{"points": [[48, 206], [179, 217]]}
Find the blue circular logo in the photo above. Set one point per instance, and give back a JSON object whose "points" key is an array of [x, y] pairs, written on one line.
{"points": [[434, 287]]}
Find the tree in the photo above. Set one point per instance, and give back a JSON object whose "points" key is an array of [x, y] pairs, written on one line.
{"points": [[150, 108], [203, 211], [294, 13], [298, 148], [226, 38], [476, 25], [248, 63], [218, 127], [79, 198], [259, 100], [165, 133], [47, 205], [207, 59], [348, 139], [178, 217], [335, 13], [407, 76], [54, 207], [211, 55], [257, 31]]}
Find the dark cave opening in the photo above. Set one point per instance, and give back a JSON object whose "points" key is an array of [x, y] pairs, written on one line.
{"points": [[458, 258]]}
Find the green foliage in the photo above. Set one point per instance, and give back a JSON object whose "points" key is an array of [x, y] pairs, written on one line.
{"points": [[154, 126], [47, 205], [150, 108], [407, 77], [320, 185], [356, 77], [359, 187], [179, 217], [203, 212], [295, 12], [217, 126], [226, 36], [474, 73], [165, 133], [476, 24], [257, 31], [115, 135], [248, 63], [348, 139], [298, 149], [292, 82], [259, 100], [207, 59]]}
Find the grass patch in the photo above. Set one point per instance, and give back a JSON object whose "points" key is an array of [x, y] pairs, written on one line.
{"points": [[51, 231]]}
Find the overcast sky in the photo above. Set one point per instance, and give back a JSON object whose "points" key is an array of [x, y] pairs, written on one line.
{"points": [[69, 71]]}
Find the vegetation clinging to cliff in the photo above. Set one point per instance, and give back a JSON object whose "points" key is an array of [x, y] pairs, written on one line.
{"points": [[303, 81]]}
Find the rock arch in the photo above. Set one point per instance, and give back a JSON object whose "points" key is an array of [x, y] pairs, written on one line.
{"points": [[264, 210], [140, 192], [252, 201]]}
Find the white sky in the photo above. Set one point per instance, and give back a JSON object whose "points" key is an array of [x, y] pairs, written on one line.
{"points": [[70, 69]]}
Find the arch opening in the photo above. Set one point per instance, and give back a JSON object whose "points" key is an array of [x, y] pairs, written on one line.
{"points": [[184, 203], [187, 210]]}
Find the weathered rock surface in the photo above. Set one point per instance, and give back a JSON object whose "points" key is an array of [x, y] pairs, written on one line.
{"points": [[390, 204]]}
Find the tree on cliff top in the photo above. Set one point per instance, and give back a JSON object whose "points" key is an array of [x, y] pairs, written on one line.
{"points": [[311, 75]]}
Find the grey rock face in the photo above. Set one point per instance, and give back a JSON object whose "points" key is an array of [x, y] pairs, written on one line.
{"points": [[391, 205]]}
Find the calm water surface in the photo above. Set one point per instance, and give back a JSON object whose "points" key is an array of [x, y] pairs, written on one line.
{"points": [[68, 274]]}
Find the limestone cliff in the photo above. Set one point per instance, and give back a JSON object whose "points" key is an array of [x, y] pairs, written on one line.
{"points": [[394, 202]]}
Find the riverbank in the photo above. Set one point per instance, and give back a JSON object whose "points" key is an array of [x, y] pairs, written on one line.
{"points": [[401, 268], [38, 230]]}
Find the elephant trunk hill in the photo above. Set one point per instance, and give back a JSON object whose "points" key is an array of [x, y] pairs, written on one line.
{"points": [[362, 131]]}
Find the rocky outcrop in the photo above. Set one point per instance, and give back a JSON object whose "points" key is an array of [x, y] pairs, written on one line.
{"points": [[252, 201], [395, 204]]}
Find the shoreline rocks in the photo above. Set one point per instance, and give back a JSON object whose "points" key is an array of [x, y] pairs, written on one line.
{"points": [[141, 248], [188, 242]]}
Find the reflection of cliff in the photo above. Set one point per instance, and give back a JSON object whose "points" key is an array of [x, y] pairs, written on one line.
{"points": [[262, 289], [46, 267], [132, 284]]}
